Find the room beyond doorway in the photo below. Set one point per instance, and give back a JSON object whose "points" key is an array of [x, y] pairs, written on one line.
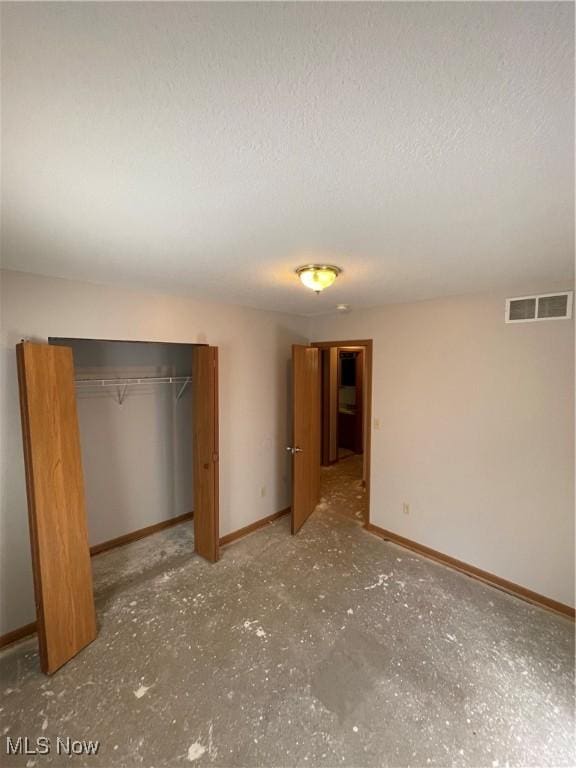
{"points": [[346, 398]]}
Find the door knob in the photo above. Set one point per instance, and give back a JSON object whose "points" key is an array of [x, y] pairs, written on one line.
{"points": [[293, 450]]}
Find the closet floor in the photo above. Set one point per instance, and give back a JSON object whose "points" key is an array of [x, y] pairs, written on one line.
{"points": [[328, 648], [125, 568]]}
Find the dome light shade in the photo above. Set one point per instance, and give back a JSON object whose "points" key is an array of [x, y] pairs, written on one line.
{"points": [[318, 276]]}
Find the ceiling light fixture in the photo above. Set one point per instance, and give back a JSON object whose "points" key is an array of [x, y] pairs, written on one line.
{"points": [[318, 276]]}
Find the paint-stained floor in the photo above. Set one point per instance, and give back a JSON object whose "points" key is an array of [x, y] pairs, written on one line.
{"points": [[329, 648], [342, 489]]}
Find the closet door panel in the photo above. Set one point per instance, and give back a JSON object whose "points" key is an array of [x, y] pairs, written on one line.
{"points": [[205, 459], [66, 617]]}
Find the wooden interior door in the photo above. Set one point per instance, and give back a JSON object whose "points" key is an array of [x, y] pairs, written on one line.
{"points": [[205, 449], [66, 619], [306, 437]]}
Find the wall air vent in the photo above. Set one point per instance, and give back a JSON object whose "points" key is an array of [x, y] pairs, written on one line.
{"points": [[547, 306]]}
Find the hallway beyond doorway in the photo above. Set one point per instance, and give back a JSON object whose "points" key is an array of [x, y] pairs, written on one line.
{"points": [[346, 410], [342, 490]]}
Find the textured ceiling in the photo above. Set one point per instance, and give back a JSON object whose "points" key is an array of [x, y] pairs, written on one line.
{"points": [[209, 149]]}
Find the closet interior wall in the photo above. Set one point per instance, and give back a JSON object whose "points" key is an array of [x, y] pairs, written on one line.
{"points": [[136, 440]]}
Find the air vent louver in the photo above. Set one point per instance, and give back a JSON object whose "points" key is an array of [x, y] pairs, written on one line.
{"points": [[553, 306], [522, 309], [550, 306]]}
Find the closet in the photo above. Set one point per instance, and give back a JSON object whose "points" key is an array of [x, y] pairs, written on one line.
{"points": [[135, 419], [119, 438]]}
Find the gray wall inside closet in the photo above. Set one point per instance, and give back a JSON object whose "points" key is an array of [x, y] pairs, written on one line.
{"points": [[137, 457]]}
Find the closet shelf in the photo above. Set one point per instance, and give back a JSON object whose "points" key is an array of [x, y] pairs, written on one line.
{"points": [[122, 384]]}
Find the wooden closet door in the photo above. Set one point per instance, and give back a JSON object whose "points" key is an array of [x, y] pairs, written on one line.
{"points": [[66, 618], [205, 448], [306, 433]]}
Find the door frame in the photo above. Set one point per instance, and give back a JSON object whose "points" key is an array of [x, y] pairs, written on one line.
{"points": [[367, 345], [197, 521]]}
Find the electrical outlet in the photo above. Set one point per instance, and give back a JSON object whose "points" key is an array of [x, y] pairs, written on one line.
{"points": [[406, 508], [263, 491], [376, 423]]}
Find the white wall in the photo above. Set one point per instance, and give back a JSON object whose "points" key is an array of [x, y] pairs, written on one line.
{"points": [[254, 415], [477, 434], [137, 455]]}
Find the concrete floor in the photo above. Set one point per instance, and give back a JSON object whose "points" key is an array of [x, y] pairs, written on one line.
{"points": [[326, 649], [341, 488]]}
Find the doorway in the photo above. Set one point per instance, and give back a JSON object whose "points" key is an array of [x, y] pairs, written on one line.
{"points": [[135, 417], [330, 447], [50, 377], [346, 386], [350, 404]]}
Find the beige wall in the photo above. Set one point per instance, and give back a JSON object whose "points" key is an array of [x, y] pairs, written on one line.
{"points": [[137, 456], [254, 379], [477, 420], [477, 434]]}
